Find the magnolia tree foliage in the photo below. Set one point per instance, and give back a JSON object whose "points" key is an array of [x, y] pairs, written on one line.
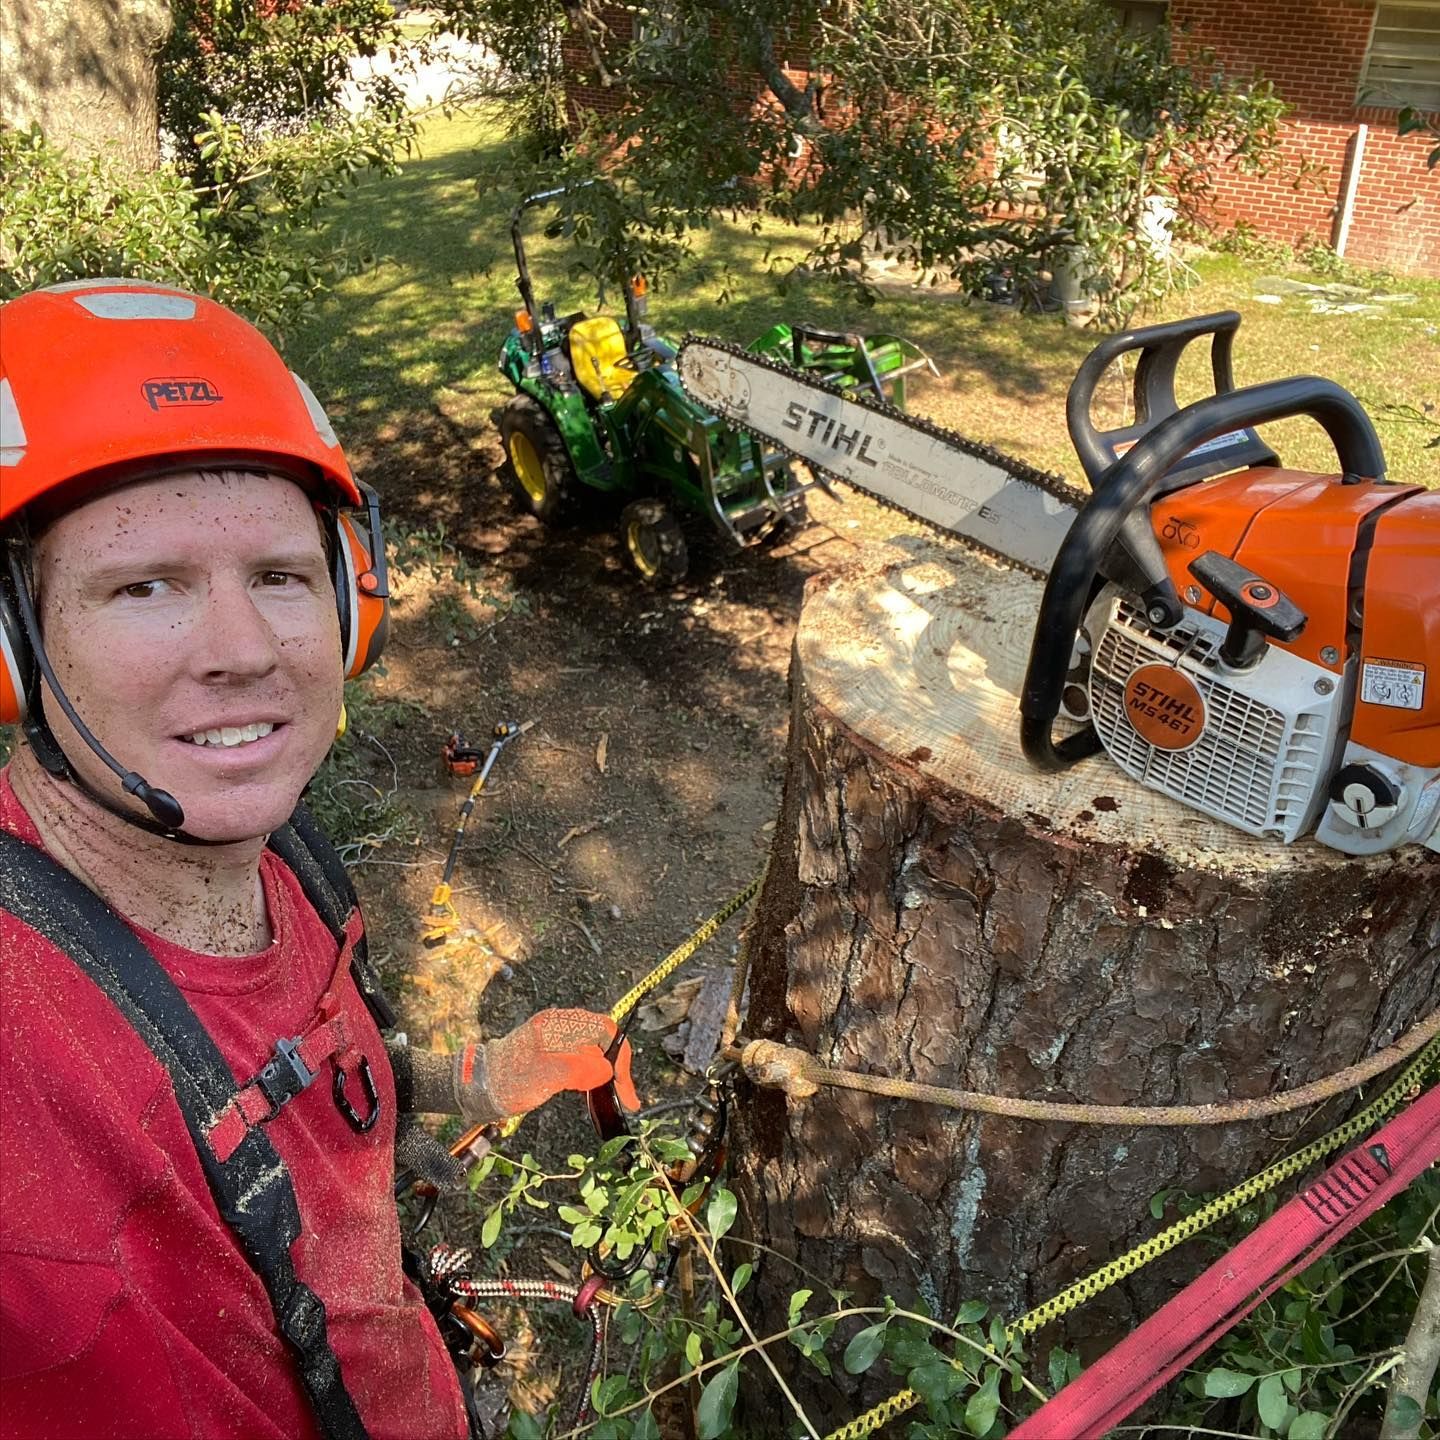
{"points": [[265, 130], [966, 135]]}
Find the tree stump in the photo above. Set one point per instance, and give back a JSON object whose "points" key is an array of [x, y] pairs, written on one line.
{"points": [[938, 910]]}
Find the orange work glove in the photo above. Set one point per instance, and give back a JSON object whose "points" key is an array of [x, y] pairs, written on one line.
{"points": [[553, 1051]]}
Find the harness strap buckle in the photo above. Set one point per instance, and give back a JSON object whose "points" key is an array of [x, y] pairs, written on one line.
{"points": [[285, 1076]]}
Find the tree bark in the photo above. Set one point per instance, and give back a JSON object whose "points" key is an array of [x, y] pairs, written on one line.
{"points": [[936, 909], [85, 72]]}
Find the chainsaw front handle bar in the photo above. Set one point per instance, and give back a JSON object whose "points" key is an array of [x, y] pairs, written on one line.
{"points": [[1161, 347], [1134, 480]]}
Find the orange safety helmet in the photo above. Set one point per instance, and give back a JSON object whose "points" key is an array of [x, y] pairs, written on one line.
{"points": [[108, 381]]}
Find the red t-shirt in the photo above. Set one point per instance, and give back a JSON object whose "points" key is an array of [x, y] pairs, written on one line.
{"points": [[126, 1306]]}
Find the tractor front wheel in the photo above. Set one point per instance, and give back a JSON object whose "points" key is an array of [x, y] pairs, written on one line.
{"points": [[654, 542], [544, 474]]}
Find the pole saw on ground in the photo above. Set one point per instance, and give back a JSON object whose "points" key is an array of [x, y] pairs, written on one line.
{"points": [[461, 758]]}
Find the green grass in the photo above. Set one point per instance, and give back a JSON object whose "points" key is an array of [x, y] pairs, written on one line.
{"points": [[420, 333]]}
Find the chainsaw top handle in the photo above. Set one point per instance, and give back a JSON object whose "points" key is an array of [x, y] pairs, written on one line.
{"points": [[1153, 398], [1135, 479]]}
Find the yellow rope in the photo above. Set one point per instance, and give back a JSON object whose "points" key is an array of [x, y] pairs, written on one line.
{"points": [[676, 958], [667, 967], [1088, 1286]]}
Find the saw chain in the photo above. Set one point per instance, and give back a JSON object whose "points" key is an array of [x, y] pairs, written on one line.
{"points": [[1055, 499]]}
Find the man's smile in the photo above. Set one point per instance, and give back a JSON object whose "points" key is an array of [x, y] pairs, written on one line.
{"points": [[231, 735]]}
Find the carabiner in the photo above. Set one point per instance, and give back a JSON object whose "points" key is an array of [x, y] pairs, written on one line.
{"points": [[358, 1123]]}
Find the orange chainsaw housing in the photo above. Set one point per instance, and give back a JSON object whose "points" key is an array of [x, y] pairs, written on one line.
{"points": [[1361, 560]]}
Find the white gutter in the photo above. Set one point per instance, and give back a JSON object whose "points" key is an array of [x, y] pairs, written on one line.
{"points": [[1346, 212]]}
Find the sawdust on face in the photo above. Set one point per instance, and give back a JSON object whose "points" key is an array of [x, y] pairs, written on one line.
{"points": [[196, 604]]}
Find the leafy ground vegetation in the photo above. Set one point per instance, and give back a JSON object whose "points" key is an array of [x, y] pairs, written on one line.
{"points": [[644, 794]]}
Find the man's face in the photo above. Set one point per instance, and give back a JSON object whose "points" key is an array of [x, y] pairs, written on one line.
{"points": [[196, 607]]}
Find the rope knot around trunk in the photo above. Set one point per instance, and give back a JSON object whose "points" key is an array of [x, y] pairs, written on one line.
{"points": [[767, 1062]]}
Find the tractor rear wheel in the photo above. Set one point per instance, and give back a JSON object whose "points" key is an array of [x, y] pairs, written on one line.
{"points": [[654, 542], [544, 474]]}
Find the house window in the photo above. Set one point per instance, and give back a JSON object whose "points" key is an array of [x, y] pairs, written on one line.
{"points": [[1403, 66], [1141, 15]]}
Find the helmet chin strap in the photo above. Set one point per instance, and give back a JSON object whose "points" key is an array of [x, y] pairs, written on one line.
{"points": [[167, 816]]}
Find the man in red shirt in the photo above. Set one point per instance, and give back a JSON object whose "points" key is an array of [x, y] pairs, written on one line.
{"points": [[182, 597]]}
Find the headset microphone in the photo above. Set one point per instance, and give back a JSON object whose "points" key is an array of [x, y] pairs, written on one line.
{"points": [[166, 809], [160, 803]]}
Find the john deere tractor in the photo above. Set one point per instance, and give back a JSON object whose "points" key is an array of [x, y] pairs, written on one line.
{"points": [[598, 406]]}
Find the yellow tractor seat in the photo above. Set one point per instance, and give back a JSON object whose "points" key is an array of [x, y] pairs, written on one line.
{"points": [[597, 348]]}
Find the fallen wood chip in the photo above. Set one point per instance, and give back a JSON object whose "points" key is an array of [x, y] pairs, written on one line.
{"points": [[585, 931], [576, 831], [601, 751]]}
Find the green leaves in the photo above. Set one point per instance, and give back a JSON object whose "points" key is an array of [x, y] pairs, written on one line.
{"points": [[720, 1213], [252, 238], [523, 1426], [717, 1402], [983, 1406], [860, 1353], [694, 1351], [1222, 1383], [490, 1230], [1271, 1401]]}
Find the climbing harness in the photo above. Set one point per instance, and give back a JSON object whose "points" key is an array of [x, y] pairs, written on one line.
{"points": [[249, 1181]]}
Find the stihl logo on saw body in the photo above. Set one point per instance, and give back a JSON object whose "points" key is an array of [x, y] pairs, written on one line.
{"points": [[836, 435], [1165, 707]]}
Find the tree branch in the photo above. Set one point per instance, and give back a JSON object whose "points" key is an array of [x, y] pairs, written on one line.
{"points": [[1418, 1360], [580, 18], [797, 103]]}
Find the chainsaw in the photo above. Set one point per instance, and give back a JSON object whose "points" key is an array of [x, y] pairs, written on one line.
{"points": [[1254, 642]]}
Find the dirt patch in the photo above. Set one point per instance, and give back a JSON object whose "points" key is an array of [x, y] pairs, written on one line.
{"points": [[642, 798], [643, 795]]}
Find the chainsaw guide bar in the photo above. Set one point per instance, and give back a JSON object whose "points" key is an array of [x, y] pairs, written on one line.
{"points": [[956, 487]]}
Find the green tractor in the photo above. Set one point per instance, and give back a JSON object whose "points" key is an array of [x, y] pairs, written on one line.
{"points": [[598, 405]]}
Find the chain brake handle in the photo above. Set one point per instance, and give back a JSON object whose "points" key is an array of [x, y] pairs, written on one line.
{"points": [[1123, 495]]}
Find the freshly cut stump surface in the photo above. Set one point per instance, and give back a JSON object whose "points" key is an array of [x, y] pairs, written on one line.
{"points": [[939, 910]]}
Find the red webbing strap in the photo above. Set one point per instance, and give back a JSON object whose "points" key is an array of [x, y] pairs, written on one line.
{"points": [[326, 1035], [1291, 1239]]}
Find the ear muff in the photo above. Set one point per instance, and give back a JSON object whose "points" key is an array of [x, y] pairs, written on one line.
{"points": [[19, 674], [17, 664], [362, 591]]}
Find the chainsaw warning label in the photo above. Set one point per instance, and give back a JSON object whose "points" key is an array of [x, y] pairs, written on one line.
{"points": [[1165, 707], [1400, 684]]}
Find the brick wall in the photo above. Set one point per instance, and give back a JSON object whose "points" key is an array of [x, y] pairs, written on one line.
{"points": [[1313, 51], [583, 91]]}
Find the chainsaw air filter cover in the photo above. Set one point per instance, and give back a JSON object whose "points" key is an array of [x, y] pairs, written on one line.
{"points": [[1252, 749]]}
